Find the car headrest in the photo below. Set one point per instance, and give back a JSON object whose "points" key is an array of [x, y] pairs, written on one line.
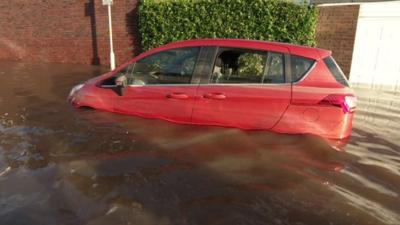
{"points": [[218, 62]]}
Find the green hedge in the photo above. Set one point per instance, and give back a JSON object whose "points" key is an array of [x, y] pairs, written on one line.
{"points": [[165, 21]]}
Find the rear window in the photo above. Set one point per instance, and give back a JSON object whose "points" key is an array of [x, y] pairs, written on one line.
{"points": [[336, 71], [300, 66]]}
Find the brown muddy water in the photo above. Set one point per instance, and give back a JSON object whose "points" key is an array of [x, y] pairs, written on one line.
{"points": [[59, 165]]}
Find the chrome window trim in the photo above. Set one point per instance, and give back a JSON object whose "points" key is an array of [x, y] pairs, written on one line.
{"points": [[219, 84], [308, 73], [248, 84], [156, 85], [108, 86], [210, 84]]}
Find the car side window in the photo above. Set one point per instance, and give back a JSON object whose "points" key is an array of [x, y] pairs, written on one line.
{"points": [[239, 66], [173, 66], [300, 66], [274, 71], [336, 71]]}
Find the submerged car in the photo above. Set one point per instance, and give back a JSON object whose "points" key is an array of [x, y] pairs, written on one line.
{"points": [[246, 84]]}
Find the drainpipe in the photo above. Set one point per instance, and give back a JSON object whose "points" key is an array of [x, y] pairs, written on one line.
{"points": [[112, 56]]}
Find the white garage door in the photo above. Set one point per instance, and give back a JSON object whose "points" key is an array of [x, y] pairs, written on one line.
{"points": [[376, 56]]}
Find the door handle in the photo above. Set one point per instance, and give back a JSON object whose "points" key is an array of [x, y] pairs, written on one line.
{"points": [[218, 96], [177, 95]]}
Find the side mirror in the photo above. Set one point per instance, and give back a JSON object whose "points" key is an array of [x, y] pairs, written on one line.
{"points": [[121, 84]]}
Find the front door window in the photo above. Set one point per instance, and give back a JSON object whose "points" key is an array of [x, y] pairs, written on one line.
{"points": [[168, 67]]}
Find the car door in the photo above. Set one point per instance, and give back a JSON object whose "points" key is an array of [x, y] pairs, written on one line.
{"points": [[160, 86], [246, 89]]}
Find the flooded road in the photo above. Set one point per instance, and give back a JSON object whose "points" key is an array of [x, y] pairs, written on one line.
{"points": [[59, 165]]}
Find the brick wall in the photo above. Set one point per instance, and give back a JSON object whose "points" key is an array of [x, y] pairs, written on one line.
{"points": [[336, 31], [76, 31], [69, 31]]}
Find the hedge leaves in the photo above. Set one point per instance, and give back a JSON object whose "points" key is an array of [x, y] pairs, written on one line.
{"points": [[165, 21]]}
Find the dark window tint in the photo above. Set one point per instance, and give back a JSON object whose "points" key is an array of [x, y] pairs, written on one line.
{"points": [[168, 67], [300, 66], [238, 66], [336, 71]]}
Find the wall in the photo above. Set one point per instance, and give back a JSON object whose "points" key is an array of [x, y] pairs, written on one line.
{"points": [[336, 31], [73, 31], [76, 31]]}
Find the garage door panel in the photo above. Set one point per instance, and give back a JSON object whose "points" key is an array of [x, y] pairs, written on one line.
{"points": [[376, 61]]}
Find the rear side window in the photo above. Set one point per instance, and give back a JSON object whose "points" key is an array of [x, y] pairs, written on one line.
{"points": [[241, 66], [300, 66], [336, 71]]}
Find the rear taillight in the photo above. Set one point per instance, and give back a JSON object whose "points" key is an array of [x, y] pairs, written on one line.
{"points": [[347, 102], [350, 103]]}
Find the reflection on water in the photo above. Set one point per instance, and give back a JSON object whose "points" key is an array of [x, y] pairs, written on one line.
{"points": [[59, 165]]}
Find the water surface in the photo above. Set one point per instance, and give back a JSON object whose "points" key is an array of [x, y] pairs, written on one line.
{"points": [[59, 165]]}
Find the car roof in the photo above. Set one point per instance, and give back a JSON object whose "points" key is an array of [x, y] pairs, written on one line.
{"points": [[304, 51]]}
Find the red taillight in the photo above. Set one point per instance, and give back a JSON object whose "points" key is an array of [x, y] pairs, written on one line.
{"points": [[347, 102]]}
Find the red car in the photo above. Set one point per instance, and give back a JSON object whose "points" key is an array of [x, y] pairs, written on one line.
{"points": [[229, 82]]}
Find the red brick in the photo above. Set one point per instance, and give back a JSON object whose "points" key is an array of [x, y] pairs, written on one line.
{"points": [[336, 31], [61, 31]]}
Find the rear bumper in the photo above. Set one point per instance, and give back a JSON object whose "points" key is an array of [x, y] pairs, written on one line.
{"points": [[326, 121]]}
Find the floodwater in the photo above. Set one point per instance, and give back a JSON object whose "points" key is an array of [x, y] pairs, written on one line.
{"points": [[59, 165]]}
